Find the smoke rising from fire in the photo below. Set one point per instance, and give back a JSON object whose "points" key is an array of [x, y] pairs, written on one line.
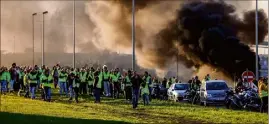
{"points": [[198, 33]]}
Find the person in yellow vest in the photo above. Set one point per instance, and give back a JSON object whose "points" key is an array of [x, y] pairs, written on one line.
{"points": [[97, 86], [148, 81], [145, 93], [83, 81], [63, 82], [32, 78], [115, 83], [106, 83], [128, 86], [47, 82], [75, 87], [26, 83], [90, 80], [5, 79], [263, 93]]}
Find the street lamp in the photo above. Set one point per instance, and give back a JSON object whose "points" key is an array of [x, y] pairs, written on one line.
{"points": [[43, 32], [33, 21], [133, 34], [256, 33], [74, 36]]}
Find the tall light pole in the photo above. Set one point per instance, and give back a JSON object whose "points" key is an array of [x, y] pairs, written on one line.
{"points": [[43, 32], [133, 34], [14, 42], [257, 50], [74, 36], [33, 21]]}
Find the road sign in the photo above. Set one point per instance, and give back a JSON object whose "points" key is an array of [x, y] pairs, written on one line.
{"points": [[249, 75]]}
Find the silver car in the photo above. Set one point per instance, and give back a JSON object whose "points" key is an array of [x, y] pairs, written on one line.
{"points": [[177, 91], [213, 92]]}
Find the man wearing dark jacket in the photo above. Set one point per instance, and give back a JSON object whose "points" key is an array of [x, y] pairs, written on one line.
{"points": [[14, 77], [136, 81]]}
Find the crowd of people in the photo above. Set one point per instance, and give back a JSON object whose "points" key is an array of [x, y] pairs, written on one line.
{"points": [[96, 82], [73, 82]]}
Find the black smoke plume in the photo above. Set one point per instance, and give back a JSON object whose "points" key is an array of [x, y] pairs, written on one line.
{"points": [[208, 33]]}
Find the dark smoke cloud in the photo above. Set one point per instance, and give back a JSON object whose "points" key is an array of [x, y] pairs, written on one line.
{"points": [[197, 33], [208, 32]]}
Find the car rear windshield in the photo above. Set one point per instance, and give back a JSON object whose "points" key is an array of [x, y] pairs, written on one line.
{"points": [[181, 86], [216, 86]]}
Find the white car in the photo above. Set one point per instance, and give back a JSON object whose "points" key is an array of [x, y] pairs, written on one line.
{"points": [[177, 91]]}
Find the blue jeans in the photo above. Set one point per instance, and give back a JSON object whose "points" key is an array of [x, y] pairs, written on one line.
{"points": [[135, 97], [11, 85], [71, 92], [47, 91], [146, 99], [63, 88], [97, 94], [3, 86], [32, 91], [107, 88]]}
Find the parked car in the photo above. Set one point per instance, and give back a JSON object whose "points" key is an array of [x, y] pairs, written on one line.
{"points": [[177, 91], [213, 92]]}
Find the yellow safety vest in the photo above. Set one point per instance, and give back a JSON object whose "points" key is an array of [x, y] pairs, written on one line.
{"points": [[128, 81]]}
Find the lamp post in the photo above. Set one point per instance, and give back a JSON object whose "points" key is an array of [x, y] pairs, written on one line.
{"points": [[43, 32], [256, 33], [74, 36], [133, 34], [33, 21]]}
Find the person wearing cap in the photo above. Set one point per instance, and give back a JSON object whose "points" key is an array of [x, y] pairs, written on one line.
{"points": [[97, 85], [32, 78], [47, 82], [83, 81], [62, 80], [106, 77]]}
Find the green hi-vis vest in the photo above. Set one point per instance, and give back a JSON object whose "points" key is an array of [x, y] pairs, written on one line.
{"points": [[106, 75], [99, 84], [83, 76], [32, 78], [168, 83], [5, 76], [63, 77], [147, 81], [75, 83], [90, 78], [25, 79], [145, 90], [128, 81], [263, 93], [47, 81]]}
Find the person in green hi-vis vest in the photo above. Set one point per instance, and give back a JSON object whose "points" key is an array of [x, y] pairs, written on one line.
{"points": [[83, 81], [97, 86], [47, 82], [62, 82], [5, 79], [90, 80], [106, 76]]}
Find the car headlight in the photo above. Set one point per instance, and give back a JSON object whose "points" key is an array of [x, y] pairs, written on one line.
{"points": [[209, 95]]}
